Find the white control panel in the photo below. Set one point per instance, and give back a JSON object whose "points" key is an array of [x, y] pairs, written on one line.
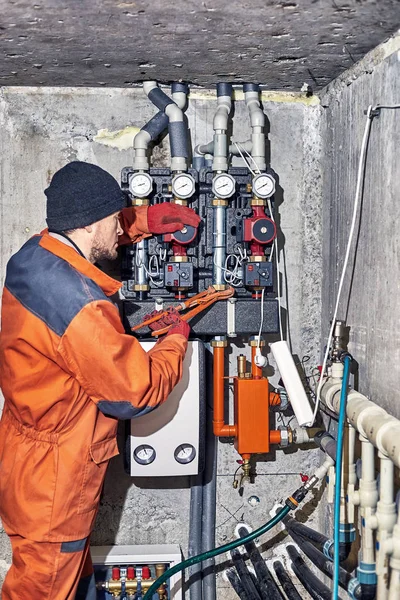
{"points": [[166, 441]]}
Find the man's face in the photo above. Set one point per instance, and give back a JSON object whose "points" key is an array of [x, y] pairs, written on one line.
{"points": [[105, 238]]}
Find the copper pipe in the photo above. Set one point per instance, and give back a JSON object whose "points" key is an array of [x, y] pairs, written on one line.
{"points": [[220, 429], [274, 436], [255, 371]]}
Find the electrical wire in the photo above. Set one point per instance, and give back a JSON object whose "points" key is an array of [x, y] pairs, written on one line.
{"points": [[358, 194], [261, 322], [140, 264], [338, 475], [277, 271]]}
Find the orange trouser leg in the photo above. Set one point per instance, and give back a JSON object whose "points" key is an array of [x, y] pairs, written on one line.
{"points": [[49, 571]]}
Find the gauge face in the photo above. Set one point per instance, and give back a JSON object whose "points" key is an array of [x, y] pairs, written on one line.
{"points": [[140, 185], [144, 454], [223, 185], [264, 185], [183, 185], [185, 453]]}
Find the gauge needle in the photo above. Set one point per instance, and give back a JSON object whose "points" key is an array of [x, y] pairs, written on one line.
{"points": [[223, 185], [182, 186]]}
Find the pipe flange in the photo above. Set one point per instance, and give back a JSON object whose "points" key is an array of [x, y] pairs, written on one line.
{"points": [[254, 341], [284, 443], [140, 202], [257, 258], [141, 287], [218, 343], [219, 202], [220, 287], [180, 201], [257, 201], [179, 259]]}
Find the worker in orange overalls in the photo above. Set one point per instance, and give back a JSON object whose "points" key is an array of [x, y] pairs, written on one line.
{"points": [[68, 372]]}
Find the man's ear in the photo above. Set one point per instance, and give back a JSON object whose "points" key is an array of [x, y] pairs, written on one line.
{"points": [[89, 228]]}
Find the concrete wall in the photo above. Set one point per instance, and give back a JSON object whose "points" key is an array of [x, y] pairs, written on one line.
{"points": [[371, 299], [42, 129]]}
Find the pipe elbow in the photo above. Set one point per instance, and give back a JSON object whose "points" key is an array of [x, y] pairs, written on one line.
{"points": [[148, 86], [220, 121], [174, 113], [141, 140]]}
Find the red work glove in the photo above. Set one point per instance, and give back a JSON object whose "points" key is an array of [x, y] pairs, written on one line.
{"points": [[172, 318], [168, 217]]}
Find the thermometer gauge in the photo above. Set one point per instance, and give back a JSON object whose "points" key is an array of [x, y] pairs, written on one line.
{"points": [[140, 185], [223, 185], [144, 454], [185, 454], [264, 185], [183, 185]]}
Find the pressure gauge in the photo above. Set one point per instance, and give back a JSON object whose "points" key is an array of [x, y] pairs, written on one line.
{"points": [[183, 185], [140, 185], [144, 454], [264, 185], [185, 453], [223, 185]]}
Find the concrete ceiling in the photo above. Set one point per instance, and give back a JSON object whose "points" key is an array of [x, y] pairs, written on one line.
{"points": [[282, 44]]}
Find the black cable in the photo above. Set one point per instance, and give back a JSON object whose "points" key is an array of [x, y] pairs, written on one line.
{"points": [[235, 582], [266, 582], [285, 581], [244, 575], [315, 587]]}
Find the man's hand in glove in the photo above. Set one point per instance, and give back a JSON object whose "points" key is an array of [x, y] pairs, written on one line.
{"points": [[168, 218], [173, 319]]}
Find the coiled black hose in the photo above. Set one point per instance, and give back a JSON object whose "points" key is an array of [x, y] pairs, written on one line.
{"points": [[315, 587], [266, 582], [285, 581]]}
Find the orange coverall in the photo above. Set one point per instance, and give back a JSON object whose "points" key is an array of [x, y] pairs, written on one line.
{"points": [[68, 372]]}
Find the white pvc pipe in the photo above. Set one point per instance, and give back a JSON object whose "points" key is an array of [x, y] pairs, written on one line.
{"points": [[384, 521], [257, 122], [220, 126]]}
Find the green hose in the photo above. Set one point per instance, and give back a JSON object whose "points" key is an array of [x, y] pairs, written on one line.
{"points": [[215, 552]]}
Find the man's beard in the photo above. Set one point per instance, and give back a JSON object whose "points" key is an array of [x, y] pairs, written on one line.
{"points": [[101, 252]]}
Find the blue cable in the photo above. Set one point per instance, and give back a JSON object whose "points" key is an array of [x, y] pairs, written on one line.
{"points": [[338, 477]]}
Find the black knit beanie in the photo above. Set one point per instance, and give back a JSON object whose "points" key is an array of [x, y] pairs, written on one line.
{"points": [[80, 194]]}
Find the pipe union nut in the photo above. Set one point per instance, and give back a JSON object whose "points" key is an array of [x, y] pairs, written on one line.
{"points": [[284, 437]]}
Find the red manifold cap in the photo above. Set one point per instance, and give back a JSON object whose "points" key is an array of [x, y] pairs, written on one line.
{"points": [[130, 573], [146, 573], [116, 573]]}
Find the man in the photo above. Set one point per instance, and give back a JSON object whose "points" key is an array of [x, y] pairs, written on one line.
{"points": [[68, 371]]}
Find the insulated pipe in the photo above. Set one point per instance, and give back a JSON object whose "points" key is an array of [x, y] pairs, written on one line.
{"points": [[285, 581], [315, 587], [176, 127], [209, 510], [257, 122], [179, 94], [220, 126], [266, 583], [244, 575], [235, 582], [149, 133], [220, 429], [195, 528]]}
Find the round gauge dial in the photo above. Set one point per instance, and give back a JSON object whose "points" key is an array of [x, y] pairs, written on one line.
{"points": [[223, 185], [264, 185], [183, 185], [140, 185], [144, 454], [185, 453]]}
